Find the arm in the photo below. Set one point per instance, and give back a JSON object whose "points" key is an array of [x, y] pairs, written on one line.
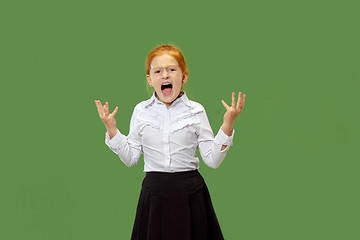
{"points": [[210, 148], [127, 148], [213, 150]]}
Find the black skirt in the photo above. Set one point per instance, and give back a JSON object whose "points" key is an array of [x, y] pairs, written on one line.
{"points": [[175, 206]]}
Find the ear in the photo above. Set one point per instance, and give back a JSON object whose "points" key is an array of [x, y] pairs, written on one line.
{"points": [[185, 77], [149, 79]]}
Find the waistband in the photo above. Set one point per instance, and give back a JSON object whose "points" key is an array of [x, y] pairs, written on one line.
{"points": [[175, 175]]}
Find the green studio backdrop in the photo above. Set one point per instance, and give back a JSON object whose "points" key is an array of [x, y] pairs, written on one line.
{"points": [[292, 172]]}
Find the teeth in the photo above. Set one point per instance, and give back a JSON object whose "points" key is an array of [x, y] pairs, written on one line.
{"points": [[166, 85]]}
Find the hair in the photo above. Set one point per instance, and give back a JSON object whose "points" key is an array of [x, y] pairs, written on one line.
{"points": [[166, 49]]}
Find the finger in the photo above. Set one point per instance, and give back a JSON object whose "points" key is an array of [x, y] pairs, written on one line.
{"points": [[242, 102], [233, 100], [114, 112], [99, 107], [239, 100], [106, 109], [225, 105]]}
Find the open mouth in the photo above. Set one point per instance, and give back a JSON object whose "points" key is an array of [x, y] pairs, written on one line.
{"points": [[166, 89]]}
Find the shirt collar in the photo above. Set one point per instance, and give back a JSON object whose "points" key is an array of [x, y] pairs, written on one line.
{"points": [[153, 99]]}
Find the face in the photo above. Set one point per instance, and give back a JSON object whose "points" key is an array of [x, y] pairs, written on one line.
{"points": [[166, 78]]}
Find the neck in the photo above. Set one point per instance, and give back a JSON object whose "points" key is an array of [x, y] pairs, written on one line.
{"points": [[168, 104]]}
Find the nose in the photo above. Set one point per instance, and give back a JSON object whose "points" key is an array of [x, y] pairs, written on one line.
{"points": [[165, 75]]}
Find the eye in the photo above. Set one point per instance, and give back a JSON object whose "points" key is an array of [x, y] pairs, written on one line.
{"points": [[172, 69], [157, 71]]}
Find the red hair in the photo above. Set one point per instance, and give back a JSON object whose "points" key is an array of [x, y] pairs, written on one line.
{"points": [[166, 49]]}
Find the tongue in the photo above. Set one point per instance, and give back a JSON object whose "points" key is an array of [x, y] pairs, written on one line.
{"points": [[167, 91]]}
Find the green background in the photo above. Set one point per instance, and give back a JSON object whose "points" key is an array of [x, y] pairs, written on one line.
{"points": [[293, 171]]}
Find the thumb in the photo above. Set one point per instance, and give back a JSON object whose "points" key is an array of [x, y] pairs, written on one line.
{"points": [[114, 112], [225, 105]]}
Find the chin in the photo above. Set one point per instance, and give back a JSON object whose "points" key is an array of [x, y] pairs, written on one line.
{"points": [[170, 98]]}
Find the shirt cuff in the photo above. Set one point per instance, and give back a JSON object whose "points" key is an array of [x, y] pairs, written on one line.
{"points": [[223, 139], [116, 142]]}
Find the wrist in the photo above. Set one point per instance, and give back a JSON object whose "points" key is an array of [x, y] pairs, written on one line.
{"points": [[227, 128], [112, 132]]}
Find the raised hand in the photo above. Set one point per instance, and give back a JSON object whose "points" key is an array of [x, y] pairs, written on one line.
{"points": [[232, 112], [108, 119]]}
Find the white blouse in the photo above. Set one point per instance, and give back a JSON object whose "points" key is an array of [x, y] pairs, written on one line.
{"points": [[169, 137]]}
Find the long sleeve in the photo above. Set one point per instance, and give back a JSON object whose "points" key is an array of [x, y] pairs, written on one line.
{"points": [[210, 147], [128, 148]]}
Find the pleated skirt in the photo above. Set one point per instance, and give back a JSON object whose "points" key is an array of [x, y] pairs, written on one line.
{"points": [[175, 206]]}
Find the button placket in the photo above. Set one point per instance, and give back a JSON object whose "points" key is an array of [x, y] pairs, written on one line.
{"points": [[166, 138]]}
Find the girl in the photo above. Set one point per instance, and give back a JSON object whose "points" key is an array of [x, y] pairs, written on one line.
{"points": [[174, 201]]}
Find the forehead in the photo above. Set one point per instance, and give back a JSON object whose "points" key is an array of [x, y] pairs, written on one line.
{"points": [[163, 61]]}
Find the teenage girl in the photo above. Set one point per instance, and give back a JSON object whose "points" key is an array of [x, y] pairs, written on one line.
{"points": [[174, 201]]}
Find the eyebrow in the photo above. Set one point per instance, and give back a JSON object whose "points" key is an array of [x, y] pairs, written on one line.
{"points": [[165, 66]]}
